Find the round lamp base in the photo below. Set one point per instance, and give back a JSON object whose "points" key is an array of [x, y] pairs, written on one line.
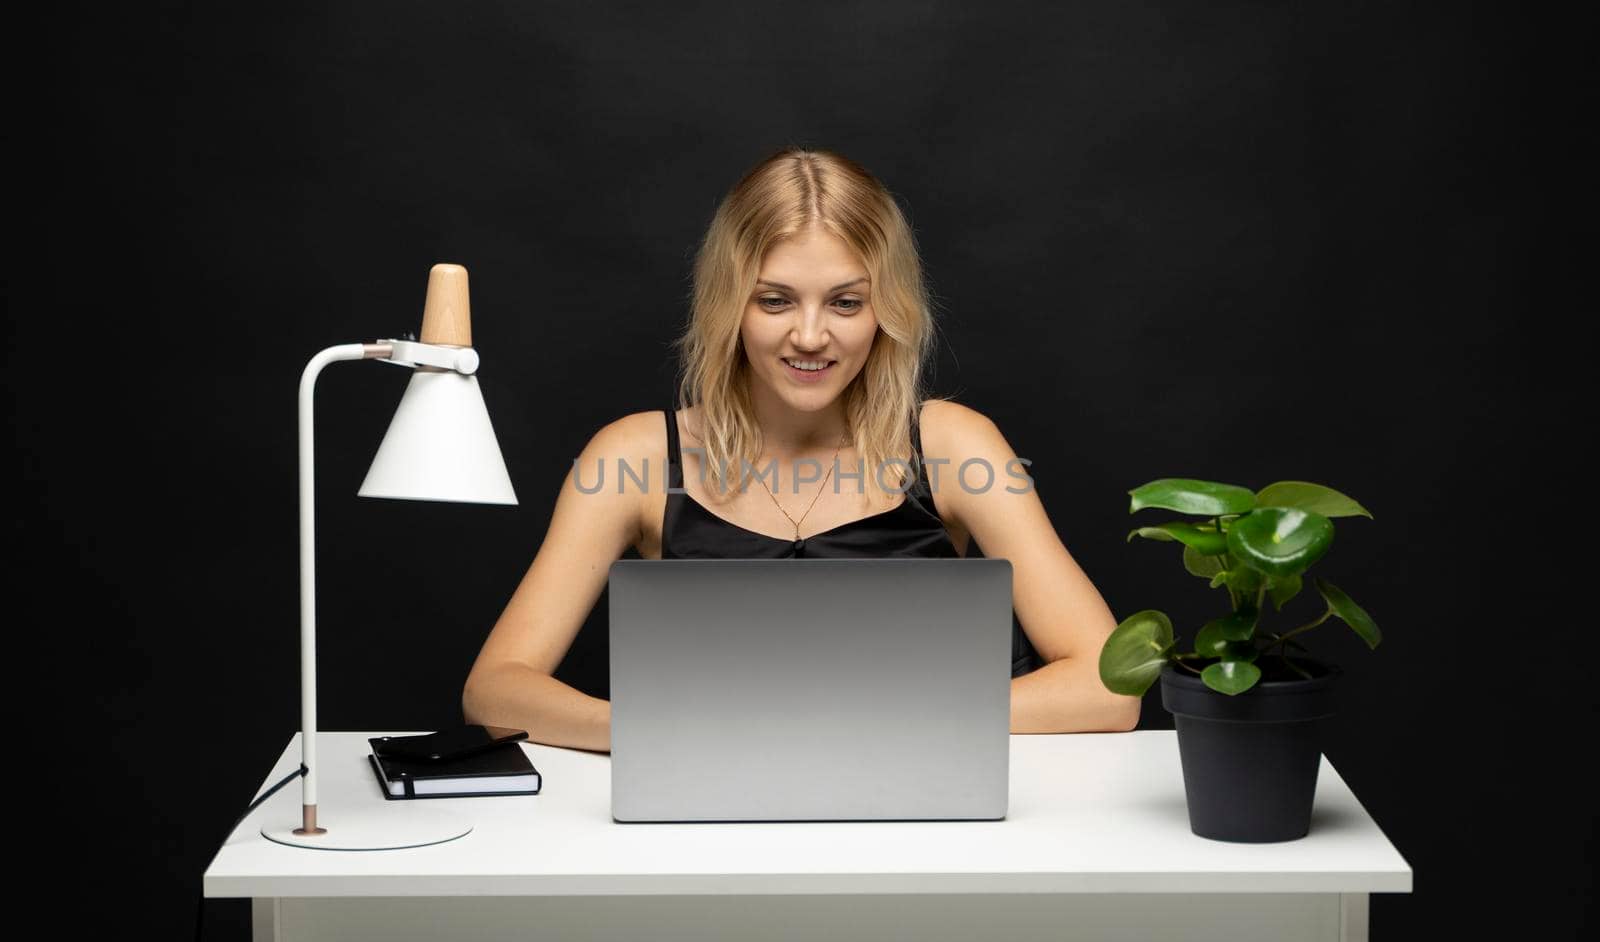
{"points": [[377, 829]]}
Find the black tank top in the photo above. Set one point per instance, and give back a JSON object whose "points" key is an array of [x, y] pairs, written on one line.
{"points": [[912, 528]]}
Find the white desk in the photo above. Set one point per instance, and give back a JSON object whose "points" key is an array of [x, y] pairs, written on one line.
{"points": [[1096, 845]]}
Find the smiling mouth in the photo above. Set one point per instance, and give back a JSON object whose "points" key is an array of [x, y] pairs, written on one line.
{"points": [[802, 375], [811, 366]]}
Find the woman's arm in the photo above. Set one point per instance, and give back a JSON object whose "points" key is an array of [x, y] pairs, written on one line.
{"points": [[511, 683], [1058, 607]]}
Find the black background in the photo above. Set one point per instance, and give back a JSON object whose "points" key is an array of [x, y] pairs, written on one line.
{"points": [[1235, 241]]}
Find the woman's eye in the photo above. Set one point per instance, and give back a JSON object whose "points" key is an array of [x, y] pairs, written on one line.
{"points": [[851, 305]]}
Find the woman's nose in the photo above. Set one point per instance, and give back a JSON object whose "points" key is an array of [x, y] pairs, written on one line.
{"points": [[811, 330]]}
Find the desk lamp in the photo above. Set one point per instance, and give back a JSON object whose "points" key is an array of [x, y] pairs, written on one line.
{"points": [[440, 446]]}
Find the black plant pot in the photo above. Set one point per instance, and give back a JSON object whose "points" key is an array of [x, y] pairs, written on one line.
{"points": [[1250, 760]]}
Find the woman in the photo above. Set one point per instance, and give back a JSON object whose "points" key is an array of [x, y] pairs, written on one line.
{"points": [[802, 370]]}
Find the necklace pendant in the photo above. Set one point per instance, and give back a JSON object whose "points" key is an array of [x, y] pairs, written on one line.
{"points": [[799, 548]]}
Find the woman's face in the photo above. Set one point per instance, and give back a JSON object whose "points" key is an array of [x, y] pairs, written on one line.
{"points": [[811, 306]]}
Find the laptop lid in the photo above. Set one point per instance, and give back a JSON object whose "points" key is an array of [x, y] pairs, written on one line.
{"points": [[810, 689]]}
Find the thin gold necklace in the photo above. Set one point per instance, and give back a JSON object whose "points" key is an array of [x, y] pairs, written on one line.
{"points": [[813, 500]]}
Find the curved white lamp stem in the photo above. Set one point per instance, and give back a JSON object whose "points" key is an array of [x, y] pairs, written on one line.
{"points": [[308, 570]]}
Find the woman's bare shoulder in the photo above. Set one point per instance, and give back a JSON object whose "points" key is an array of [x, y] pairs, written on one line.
{"points": [[949, 428], [632, 437]]}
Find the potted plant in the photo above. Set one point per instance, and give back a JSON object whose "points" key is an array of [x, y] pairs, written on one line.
{"points": [[1246, 701]]}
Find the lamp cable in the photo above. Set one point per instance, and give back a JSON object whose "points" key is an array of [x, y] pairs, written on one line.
{"points": [[200, 910]]}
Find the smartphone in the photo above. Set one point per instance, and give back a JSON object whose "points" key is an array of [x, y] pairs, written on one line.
{"points": [[447, 744]]}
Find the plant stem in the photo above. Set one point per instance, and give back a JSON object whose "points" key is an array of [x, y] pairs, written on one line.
{"points": [[1227, 564], [1293, 666], [1305, 627]]}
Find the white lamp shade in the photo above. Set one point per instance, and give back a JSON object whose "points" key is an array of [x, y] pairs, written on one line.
{"points": [[440, 446]]}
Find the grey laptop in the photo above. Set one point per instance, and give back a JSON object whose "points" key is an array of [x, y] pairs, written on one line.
{"points": [[810, 689]]}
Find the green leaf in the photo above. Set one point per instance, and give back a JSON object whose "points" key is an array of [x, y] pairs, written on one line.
{"points": [[1244, 580], [1283, 588], [1188, 496], [1280, 541], [1231, 677], [1242, 651], [1151, 533], [1135, 653], [1313, 497], [1353, 615], [1209, 642], [1202, 538], [1219, 635], [1199, 564]]}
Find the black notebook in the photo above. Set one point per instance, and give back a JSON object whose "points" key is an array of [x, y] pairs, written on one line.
{"points": [[501, 770]]}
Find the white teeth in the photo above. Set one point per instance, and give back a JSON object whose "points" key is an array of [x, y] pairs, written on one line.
{"points": [[807, 365]]}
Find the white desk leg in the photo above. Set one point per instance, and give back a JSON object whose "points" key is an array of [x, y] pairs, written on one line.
{"points": [[1353, 916], [264, 919]]}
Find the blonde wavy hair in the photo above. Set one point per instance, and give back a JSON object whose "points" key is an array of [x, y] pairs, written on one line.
{"points": [[782, 196]]}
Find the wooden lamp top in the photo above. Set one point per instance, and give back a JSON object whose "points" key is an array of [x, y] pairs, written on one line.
{"points": [[447, 314]]}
